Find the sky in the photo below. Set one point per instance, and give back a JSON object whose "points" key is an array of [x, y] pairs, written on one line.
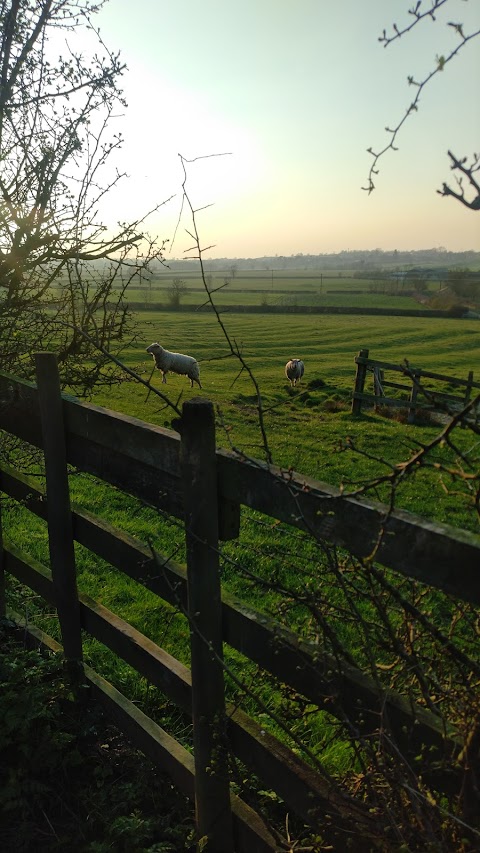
{"points": [[290, 94]]}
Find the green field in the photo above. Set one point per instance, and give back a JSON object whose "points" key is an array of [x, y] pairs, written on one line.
{"points": [[304, 427], [327, 344], [307, 429], [279, 288], [283, 298]]}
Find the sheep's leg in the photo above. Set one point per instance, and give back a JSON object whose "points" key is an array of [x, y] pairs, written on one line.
{"points": [[164, 378]]}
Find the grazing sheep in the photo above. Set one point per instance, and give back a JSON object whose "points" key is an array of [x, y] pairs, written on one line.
{"points": [[185, 365], [294, 370]]}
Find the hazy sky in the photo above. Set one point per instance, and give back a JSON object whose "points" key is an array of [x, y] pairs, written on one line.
{"points": [[296, 90]]}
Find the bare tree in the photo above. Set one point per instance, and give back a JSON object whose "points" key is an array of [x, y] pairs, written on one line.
{"points": [[63, 274], [463, 168]]}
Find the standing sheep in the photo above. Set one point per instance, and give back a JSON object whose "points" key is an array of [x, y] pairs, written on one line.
{"points": [[294, 370], [185, 365]]}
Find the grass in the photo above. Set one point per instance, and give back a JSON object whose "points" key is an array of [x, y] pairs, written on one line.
{"points": [[256, 287], [305, 426], [231, 299], [69, 781], [286, 289], [328, 345], [307, 429]]}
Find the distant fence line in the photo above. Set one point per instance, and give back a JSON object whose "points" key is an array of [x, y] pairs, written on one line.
{"points": [[184, 475]]}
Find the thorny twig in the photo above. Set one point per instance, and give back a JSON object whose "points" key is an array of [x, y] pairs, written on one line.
{"points": [[420, 14], [468, 172], [234, 347]]}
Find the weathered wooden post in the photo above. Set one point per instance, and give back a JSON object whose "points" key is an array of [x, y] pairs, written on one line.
{"points": [[59, 517], [413, 397], [468, 394], [468, 388], [378, 378], [359, 381], [199, 474]]}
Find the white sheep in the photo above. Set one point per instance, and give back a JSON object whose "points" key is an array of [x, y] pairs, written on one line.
{"points": [[294, 370], [185, 365]]}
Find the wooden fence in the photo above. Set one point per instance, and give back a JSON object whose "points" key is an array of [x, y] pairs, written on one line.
{"points": [[419, 390], [183, 474]]}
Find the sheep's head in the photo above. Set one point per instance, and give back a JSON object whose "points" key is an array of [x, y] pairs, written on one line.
{"points": [[154, 349]]}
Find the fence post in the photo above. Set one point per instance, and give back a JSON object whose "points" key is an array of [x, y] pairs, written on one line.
{"points": [[199, 474], [59, 517], [378, 378], [359, 383], [413, 398], [468, 394], [468, 388]]}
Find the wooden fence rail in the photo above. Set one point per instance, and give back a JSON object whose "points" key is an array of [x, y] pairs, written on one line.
{"points": [[421, 395], [184, 475]]}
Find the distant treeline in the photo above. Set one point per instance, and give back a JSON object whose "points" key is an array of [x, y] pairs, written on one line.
{"points": [[350, 260]]}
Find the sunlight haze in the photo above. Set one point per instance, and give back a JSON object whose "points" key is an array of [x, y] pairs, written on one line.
{"points": [[295, 92]]}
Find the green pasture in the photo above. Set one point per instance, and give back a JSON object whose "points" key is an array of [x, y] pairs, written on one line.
{"points": [[251, 281], [247, 279], [309, 429], [278, 288], [276, 279], [227, 298], [305, 426], [327, 344], [274, 288]]}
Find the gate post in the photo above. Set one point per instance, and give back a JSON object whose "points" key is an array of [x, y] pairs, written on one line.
{"points": [[468, 389], [359, 382], [378, 378], [199, 475], [59, 516], [468, 393], [413, 397]]}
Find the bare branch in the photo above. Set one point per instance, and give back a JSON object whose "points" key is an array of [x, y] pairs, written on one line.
{"points": [[419, 14], [233, 348], [468, 172]]}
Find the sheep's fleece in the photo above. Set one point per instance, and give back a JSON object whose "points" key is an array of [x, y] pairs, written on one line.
{"points": [[294, 370], [175, 362]]}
